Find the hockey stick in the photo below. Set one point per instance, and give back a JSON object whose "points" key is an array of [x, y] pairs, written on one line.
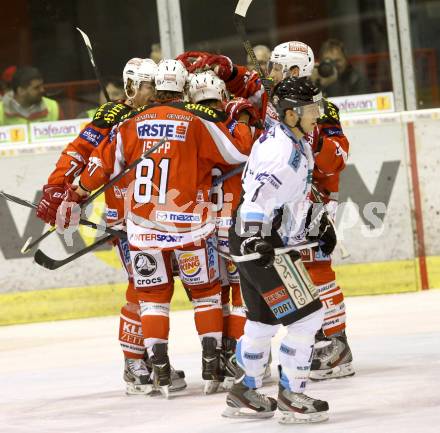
{"points": [[219, 179], [256, 256], [87, 223], [239, 22], [29, 244], [92, 61], [48, 263]]}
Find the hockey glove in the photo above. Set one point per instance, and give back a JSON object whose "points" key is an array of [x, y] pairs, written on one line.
{"points": [[237, 106], [327, 235], [193, 58], [221, 65], [69, 211], [49, 203], [256, 244], [319, 227]]}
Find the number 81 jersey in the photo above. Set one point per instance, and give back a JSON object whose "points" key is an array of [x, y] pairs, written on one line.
{"points": [[168, 192]]}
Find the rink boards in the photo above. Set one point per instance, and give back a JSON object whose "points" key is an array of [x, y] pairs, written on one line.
{"points": [[388, 227]]}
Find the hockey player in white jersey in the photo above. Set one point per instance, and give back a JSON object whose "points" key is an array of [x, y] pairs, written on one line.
{"points": [[277, 289]]}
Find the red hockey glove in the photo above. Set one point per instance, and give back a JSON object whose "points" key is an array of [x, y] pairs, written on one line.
{"points": [[221, 65], [69, 211], [239, 105], [191, 58], [52, 198]]}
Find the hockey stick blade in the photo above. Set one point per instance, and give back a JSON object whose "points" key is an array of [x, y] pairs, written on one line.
{"points": [[46, 262], [28, 245], [88, 45], [242, 7], [239, 22]]}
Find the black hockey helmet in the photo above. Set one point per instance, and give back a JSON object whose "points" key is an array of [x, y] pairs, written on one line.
{"points": [[295, 92]]}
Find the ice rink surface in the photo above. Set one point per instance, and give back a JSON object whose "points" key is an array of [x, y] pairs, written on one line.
{"points": [[66, 376]]}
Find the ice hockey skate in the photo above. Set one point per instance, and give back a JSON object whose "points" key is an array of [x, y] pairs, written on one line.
{"points": [[178, 382], [229, 362], [211, 371], [298, 408], [245, 402], [333, 361], [137, 377], [161, 369]]}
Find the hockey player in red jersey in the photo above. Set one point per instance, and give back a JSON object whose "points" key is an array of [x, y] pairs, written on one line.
{"points": [[207, 89], [138, 76], [170, 212], [330, 148]]}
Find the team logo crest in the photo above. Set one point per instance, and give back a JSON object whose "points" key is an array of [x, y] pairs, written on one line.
{"points": [[145, 264]]}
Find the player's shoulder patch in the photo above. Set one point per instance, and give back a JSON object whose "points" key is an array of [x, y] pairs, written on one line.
{"points": [[109, 114], [331, 113], [205, 112]]}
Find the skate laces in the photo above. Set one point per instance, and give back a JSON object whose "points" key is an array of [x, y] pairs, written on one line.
{"points": [[303, 398], [261, 398], [137, 367]]}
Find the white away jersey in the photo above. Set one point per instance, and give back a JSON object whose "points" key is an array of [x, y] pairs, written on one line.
{"points": [[277, 175]]}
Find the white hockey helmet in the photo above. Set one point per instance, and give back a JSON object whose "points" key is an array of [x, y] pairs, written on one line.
{"points": [[293, 53], [206, 85], [171, 75], [138, 71]]}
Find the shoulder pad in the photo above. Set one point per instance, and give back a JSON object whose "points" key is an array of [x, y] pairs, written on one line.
{"points": [[331, 113], [109, 114], [134, 111], [206, 112]]}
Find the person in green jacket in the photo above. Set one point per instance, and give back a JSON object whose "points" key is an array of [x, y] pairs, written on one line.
{"points": [[25, 103]]}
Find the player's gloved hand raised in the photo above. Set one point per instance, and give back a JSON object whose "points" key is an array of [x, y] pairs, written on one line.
{"points": [[221, 65], [69, 211], [327, 235], [49, 203], [257, 244], [237, 106], [192, 58]]}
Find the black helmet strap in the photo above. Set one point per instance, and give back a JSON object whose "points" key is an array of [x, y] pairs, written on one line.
{"points": [[299, 126]]}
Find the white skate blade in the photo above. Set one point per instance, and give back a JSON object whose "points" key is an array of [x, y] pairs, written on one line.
{"points": [[155, 390], [178, 385], [227, 383], [245, 413], [211, 386], [288, 417], [25, 250], [132, 389], [165, 391], [343, 370]]}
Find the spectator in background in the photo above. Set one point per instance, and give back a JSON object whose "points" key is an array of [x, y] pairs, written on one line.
{"points": [[115, 90], [335, 75], [156, 53], [262, 53], [6, 79], [26, 103]]}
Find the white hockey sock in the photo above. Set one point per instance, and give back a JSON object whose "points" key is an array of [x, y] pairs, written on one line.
{"points": [[253, 350], [296, 351]]}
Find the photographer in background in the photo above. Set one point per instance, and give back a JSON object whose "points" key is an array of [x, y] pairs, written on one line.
{"points": [[335, 75]]}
